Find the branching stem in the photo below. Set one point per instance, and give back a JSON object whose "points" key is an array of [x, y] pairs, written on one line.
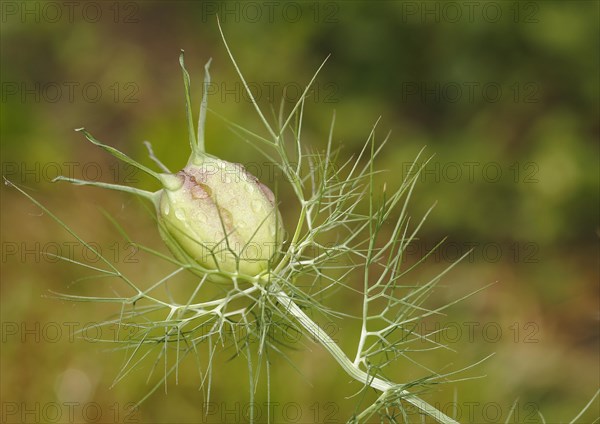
{"points": [[353, 370]]}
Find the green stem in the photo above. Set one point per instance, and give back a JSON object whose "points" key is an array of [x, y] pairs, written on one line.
{"points": [[338, 354], [188, 106], [118, 154], [291, 249], [203, 107], [142, 193]]}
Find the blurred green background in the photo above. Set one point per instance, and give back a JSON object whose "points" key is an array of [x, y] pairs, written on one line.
{"points": [[505, 94]]}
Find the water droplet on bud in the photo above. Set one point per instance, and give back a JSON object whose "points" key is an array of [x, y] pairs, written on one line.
{"points": [[213, 200]]}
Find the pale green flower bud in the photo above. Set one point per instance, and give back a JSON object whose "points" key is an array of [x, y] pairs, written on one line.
{"points": [[217, 214]]}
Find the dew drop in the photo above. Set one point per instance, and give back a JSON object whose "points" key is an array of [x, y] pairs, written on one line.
{"points": [[166, 209], [180, 214], [249, 187]]}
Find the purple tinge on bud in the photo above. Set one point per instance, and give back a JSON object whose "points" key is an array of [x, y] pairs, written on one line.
{"points": [[219, 215]]}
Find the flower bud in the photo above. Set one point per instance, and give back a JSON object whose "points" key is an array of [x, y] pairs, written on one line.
{"points": [[219, 215]]}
